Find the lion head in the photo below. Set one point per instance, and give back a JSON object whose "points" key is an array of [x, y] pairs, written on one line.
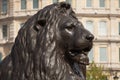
{"points": [[62, 44], [52, 45]]}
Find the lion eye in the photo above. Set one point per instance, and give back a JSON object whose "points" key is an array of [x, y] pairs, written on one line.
{"points": [[70, 28]]}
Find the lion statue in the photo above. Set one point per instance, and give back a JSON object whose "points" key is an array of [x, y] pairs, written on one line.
{"points": [[52, 45]]}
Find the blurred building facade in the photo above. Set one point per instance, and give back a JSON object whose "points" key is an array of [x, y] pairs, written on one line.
{"points": [[101, 17]]}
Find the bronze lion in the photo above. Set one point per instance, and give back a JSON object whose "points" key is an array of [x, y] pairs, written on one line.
{"points": [[52, 45]]}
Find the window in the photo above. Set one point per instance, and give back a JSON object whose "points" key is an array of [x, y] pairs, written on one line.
{"points": [[102, 30], [0, 56], [35, 3], [69, 1], [21, 25], [119, 28], [4, 6], [119, 54], [119, 3], [102, 3], [4, 31], [55, 1], [89, 26], [23, 4], [103, 53], [88, 3], [90, 55]]}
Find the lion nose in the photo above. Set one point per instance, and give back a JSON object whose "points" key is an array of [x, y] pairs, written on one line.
{"points": [[89, 37]]}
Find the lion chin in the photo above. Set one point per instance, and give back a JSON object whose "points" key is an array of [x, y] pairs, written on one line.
{"points": [[79, 56]]}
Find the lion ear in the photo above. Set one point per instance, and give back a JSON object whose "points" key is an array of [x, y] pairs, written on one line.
{"points": [[65, 5], [39, 24]]}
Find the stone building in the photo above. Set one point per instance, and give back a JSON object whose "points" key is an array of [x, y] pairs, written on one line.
{"points": [[101, 17]]}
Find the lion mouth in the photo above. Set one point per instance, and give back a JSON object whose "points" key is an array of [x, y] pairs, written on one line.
{"points": [[80, 56]]}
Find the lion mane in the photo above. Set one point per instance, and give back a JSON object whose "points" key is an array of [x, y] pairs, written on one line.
{"points": [[38, 51]]}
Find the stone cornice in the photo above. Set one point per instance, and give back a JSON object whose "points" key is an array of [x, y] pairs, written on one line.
{"points": [[107, 41], [97, 15], [78, 15], [14, 17]]}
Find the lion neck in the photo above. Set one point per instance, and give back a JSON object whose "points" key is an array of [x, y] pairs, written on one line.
{"points": [[62, 67], [78, 69]]}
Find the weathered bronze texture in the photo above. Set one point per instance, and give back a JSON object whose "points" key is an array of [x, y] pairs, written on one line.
{"points": [[52, 45]]}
